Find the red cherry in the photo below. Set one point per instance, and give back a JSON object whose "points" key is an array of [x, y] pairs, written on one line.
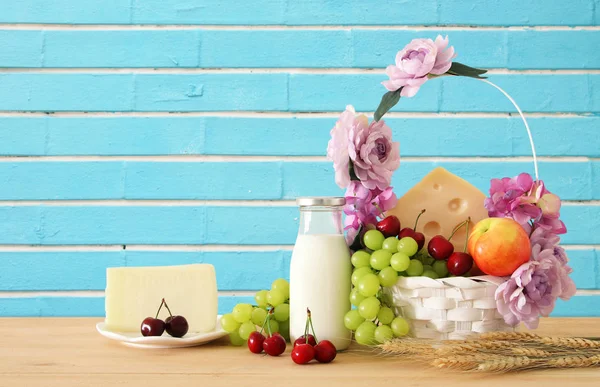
{"points": [[389, 226], [303, 353], [152, 327], [325, 351], [255, 342], [274, 345], [440, 248], [459, 263], [417, 236], [302, 340], [176, 326]]}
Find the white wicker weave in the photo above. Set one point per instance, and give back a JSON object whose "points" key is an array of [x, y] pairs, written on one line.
{"points": [[448, 308]]}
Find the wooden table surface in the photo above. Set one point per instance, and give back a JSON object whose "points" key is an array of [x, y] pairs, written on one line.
{"points": [[69, 352]]}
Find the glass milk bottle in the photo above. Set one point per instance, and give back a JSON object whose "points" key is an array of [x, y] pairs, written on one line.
{"points": [[320, 271]]}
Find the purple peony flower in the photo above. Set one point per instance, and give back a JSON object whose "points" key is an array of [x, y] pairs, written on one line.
{"points": [[533, 288], [337, 149], [416, 61], [542, 240], [527, 202], [383, 201], [374, 155]]}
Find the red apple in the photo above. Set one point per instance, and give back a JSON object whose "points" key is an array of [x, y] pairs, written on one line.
{"points": [[499, 246], [389, 226]]}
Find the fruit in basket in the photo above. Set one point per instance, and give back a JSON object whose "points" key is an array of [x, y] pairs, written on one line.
{"points": [[390, 244], [383, 333], [419, 237], [441, 268], [400, 261], [400, 327], [389, 226], [388, 276], [440, 248], [360, 259], [415, 268], [365, 333], [373, 239], [380, 259], [353, 319], [499, 246], [459, 263], [408, 246]]}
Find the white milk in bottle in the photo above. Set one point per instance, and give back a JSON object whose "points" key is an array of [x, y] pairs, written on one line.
{"points": [[320, 272]]}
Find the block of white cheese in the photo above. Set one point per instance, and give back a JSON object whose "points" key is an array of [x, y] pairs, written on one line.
{"points": [[448, 200], [134, 293]]}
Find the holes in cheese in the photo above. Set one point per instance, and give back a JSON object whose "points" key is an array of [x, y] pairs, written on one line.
{"points": [[134, 293], [449, 200]]}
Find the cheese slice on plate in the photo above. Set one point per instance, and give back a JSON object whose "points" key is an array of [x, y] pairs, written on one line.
{"points": [[134, 293], [448, 200]]}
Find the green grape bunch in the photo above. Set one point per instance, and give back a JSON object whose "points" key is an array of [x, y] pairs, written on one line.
{"points": [[379, 265], [247, 318]]}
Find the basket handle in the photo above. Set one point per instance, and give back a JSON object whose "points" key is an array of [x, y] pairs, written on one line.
{"points": [[535, 164]]}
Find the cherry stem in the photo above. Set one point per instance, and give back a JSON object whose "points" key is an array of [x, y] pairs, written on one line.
{"points": [[467, 237], [159, 308], [264, 323], [458, 227], [269, 320], [167, 306], [417, 220], [311, 325]]}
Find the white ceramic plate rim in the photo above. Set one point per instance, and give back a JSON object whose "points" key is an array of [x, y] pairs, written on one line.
{"points": [[136, 339]]}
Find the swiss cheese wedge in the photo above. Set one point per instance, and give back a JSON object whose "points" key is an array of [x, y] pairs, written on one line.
{"points": [[134, 293], [448, 200]]}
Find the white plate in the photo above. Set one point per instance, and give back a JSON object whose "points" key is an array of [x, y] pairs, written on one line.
{"points": [[135, 339]]}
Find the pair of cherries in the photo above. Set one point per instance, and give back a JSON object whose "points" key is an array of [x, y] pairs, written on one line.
{"points": [[307, 348], [176, 326], [440, 248]]}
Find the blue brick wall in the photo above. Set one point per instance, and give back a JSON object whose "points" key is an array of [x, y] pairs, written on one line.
{"points": [[156, 132]]}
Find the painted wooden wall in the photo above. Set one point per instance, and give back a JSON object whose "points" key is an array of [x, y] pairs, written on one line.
{"points": [[154, 132]]}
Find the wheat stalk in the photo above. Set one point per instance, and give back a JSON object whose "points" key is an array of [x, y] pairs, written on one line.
{"points": [[520, 336], [573, 361], [463, 363], [505, 364], [570, 342]]}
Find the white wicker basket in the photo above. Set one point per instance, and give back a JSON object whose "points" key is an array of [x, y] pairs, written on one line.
{"points": [[448, 308], [457, 307]]}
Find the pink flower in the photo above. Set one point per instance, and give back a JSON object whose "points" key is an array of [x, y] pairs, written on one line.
{"points": [[358, 205], [337, 149], [383, 201], [525, 201], [415, 61], [374, 155], [532, 291], [542, 240]]}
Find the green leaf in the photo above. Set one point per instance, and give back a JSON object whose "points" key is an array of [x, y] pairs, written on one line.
{"points": [[388, 101], [466, 71], [353, 176]]}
